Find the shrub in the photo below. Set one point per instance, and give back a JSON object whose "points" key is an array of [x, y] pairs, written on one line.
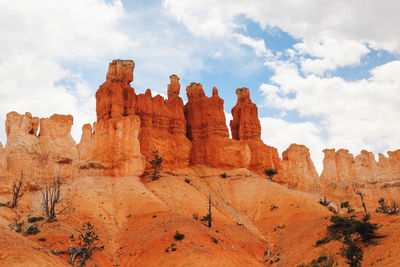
{"points": [[324, 202], [178, 236], [322, 241], [386, 209], [88, 242], [352, 252], [224, 175], [35, 219], [346, 205], [270, 173], [42, 239], [32, 230], [326, 259], [187, 180], [350, 225], [156, 163]]}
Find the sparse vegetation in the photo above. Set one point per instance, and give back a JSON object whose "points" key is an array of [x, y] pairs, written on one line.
{"points": [[17, 192], [223, 175], [178, 236], [88, 243], [32, 230], [35, 219], [347, 206], [172, 247], [208, 217], [156, 163], [322, 241], [326, 259], [270, 172], [324, 202], [50, 198], [386, 209], [352, 252]]}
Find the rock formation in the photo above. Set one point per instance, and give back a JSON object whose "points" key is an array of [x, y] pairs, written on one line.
{"points": [[41, 157], [160, 126], [246, 126], [206, 128], [130, 127], [343, 175], [299, 170]]}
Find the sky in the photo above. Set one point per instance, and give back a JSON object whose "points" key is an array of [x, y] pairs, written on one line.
{"points": [[325, 74]]}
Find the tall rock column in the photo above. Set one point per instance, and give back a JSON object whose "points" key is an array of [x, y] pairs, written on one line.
{"points": [[246, 126], [112, 148], [206, 127], [163, 127], [299, 170]]}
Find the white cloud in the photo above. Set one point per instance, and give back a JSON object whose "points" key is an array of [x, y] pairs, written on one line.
{"points": [[39, 40], [281, 134], [257, 45], [354, 115], [336, 33]]}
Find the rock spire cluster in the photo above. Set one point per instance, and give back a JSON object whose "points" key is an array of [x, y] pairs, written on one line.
{"points": [[131, 126]]}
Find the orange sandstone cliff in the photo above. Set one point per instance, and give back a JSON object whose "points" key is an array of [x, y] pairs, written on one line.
{"points": [[246, 126], [206, 128], [255, 221]]}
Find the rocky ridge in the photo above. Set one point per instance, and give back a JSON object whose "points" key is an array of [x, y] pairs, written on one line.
{"points": [[131, 126]]}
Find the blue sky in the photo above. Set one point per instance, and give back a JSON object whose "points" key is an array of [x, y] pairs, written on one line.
{"points": [[320, 78]]}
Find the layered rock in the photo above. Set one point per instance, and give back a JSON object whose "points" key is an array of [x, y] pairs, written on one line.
{"points": [[112, 148], [299, 170], [40, 157], [343, 176], [246, 126], [162, 123], [163, 127], [206, 128]]}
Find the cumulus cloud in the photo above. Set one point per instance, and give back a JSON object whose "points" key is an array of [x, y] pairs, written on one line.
{"points": [[39, 39], [355, 115], [335, 32]]}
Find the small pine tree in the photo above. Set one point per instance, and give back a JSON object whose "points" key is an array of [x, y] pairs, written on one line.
{"points": [[156, 163], [352, 252], [88, 241], [208, 217], [270, 172]]}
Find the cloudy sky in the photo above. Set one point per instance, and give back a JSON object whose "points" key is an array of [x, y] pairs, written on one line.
{"points": [[323, 73]]}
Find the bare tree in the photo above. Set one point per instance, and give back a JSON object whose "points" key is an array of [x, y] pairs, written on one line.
{"points": [[17, 192], [362, 199], [50, 197]]}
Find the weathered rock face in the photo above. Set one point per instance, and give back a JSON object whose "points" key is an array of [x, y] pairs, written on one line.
{"points": [[112, 149], [204, 115], [163, 127], [40, 157], [246, 126], [116, 98], [3, 159], [162, 122], [299, 170], [206, 127], [343, 175]]}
